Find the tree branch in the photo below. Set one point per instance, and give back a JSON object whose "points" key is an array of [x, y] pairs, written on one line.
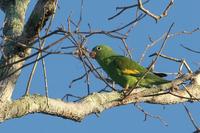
{"points": [[154, 16], [40, 15], [14, 30], [98, 102]]}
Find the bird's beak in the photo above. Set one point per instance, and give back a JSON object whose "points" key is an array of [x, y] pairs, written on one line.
{"points": [[93, 54]]}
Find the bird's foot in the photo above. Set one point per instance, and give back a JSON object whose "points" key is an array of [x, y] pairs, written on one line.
{"points": [[127, 91], [174, 87], [126, 88]]}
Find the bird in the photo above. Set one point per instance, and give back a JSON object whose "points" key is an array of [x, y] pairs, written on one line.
{"points": [[124, 71]]}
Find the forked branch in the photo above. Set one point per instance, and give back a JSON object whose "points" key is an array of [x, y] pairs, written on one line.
{"points": [[154, 16]]}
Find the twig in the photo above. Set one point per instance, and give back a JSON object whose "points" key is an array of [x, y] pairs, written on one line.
{"points": [[191, 119], [66, 96], [154, 16], [80, 16], [126, 47], [36, 53], [184, 97], [141, 16], [181, 61], [104, 89], [41, 46], [87, 76], [82, 76], [45, 78], [27, 92], [150, 45], [146, 114], [188, 91], [25, 65], [154, 42], [124, 8], [189, 49]]}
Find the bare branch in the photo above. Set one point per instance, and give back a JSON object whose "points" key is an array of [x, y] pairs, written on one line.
{"points": [[154, 16], [146, 114], [154, 42], [189, 49], [191, 119], [41, 46], [181, 61], [124, 8]]}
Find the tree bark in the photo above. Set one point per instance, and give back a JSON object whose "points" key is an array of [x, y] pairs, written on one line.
{"points": [[98, 102], [18, 38]]}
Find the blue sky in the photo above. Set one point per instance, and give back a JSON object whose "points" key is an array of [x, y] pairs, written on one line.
{"points": [[61, 69]]}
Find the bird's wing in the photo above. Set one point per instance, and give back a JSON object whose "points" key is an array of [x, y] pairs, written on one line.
{"points": [[128, 66]]}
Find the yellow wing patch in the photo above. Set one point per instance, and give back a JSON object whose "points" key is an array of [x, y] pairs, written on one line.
{"points": [[129, 71]]}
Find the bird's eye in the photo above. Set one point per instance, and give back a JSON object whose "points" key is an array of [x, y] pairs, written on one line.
{"points": [[98, 48]]}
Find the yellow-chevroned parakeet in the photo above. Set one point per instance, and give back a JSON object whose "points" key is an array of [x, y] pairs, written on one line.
{"points": [[123, 70]]}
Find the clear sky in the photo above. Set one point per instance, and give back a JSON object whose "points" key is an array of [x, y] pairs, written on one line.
{"points": [[63, 68]]}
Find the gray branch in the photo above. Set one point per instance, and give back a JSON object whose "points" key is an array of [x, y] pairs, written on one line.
{"points": [[98, 102], [16, 33]]}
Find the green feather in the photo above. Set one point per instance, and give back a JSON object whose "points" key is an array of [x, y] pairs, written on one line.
{"points": [[123, 70]]}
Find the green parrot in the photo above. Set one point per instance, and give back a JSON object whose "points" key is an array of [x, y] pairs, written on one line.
{"points": [[123, 70]]}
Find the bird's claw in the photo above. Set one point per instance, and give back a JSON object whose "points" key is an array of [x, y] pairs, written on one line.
{"points": [[174, 88]]}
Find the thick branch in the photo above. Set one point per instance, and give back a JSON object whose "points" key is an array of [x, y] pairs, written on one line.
{"points": [[14, 22], [98, 102], [41, 13], [15, 34]]}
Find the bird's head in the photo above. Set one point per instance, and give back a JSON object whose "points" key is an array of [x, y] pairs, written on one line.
{"points": [[101, 51]]}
